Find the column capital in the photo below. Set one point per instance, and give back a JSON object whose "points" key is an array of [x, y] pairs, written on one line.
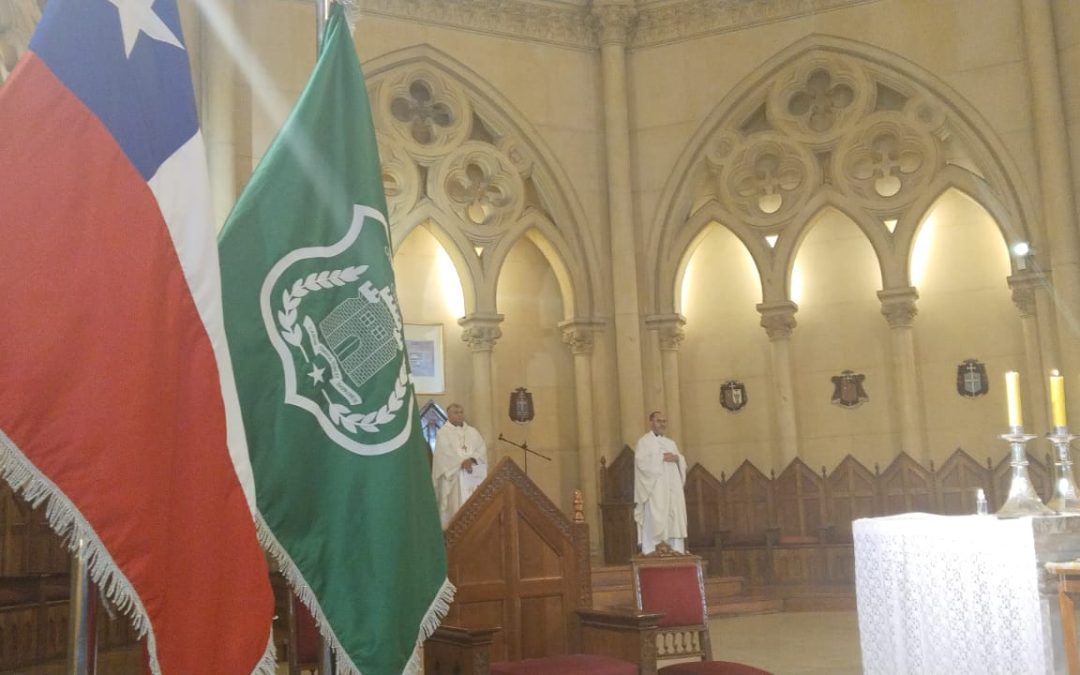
{"points": [[898, 306], [670, 328], [1023, 286], [778, 318], [481, 331], [612, 20], [578, 334]]}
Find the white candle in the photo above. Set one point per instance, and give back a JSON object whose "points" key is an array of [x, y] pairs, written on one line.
{"points": [[1012, 398]]}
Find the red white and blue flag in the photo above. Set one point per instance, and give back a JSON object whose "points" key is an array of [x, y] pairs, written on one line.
{"points": [[117, 401]]}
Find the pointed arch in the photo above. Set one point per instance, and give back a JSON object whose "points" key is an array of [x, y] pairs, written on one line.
{"points": [[435, 221], [971, 186], [675, 222], [673, 266], [787, 247], [536, 227], [564, 225]]}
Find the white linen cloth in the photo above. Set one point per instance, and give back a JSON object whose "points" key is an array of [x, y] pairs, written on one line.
{"points": [[949, 594]]}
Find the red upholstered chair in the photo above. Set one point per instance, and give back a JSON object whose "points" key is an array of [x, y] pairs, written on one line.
{"points": [[673, 584]]}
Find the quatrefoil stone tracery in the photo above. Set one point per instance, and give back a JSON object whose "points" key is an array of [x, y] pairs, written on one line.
{"points": [[429, 115], [421, 112], [820, 101], [768, 179], [886, 161], [477, 193], [482, 186]]}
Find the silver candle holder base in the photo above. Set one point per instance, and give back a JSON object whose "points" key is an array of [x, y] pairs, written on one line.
{"points": [[1066, 497], [1022, 499]]}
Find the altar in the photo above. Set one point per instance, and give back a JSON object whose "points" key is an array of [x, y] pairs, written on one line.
{"points": [[961, 594]]}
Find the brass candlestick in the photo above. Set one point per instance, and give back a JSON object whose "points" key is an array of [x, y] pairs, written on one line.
{"points": [[1066, 498], [1022, 500]]}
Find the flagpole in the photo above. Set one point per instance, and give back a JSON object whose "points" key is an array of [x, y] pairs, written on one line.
{"points": [[82, 633], [322, 13]]}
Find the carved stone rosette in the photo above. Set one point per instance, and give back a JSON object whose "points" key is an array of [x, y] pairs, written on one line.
{"points": [[481, 332], [898, 306], [778, 319]]}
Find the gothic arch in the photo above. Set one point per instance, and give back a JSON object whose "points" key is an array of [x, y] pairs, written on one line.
{"points": [[789, 243], [689, 237], [452, 145], [433, 219], [807, 130], [966, 183]]}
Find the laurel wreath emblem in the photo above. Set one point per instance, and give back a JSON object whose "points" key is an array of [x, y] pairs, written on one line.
{"points": [[316, 281], [342, 415]]}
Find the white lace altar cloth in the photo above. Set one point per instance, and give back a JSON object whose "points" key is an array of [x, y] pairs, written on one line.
{"points": [[949, 595]]}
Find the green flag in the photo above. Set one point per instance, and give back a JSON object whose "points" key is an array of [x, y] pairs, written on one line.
{"points": [[342, 477]]}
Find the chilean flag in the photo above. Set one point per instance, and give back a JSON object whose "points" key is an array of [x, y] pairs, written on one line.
{"points": [[117, 400]]}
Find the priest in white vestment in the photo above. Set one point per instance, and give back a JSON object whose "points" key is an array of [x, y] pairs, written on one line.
{"points": [[458, 447], [659, 476]]}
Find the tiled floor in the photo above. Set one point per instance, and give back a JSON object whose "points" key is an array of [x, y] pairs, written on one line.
{"points": [[791, 643]]}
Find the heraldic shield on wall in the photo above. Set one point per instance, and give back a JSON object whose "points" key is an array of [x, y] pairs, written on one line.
{"points": [[971, 378], [733, 395], [339, 335], [848, 389]]}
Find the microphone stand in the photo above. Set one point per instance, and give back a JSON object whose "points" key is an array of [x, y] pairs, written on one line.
{"points": [[524, 446]]}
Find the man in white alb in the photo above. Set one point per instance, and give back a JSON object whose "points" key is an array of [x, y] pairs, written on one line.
{"points": [[458, 447], [659, 475]]}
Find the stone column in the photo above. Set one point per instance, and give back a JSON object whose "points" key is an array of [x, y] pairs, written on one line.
{"points": [[898, 306], [225, 110], [670, 332], [778, 320], [480, 332], [578, 335], [1055, 181], [1024, 287], [613, 19]]}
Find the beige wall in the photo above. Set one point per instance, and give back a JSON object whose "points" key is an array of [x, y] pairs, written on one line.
{"points": [[969, 54], [531, 354]]}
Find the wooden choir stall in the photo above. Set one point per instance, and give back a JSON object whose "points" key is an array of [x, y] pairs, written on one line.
{"points": [[795, 527], [521, 568]]}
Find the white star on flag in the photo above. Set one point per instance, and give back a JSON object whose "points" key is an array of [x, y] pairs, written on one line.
{"points": [[136, 17]]}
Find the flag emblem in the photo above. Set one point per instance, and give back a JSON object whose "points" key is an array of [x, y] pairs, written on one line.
{"points": [[339, 334]]}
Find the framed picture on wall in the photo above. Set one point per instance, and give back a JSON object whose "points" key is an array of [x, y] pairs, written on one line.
{"points": [[425, 347]]}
